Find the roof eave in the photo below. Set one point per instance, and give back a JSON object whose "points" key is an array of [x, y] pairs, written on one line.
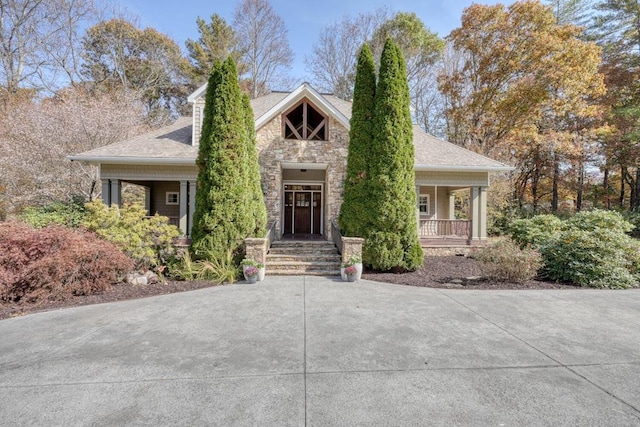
{"points": [[456, 168], [134, 160]]}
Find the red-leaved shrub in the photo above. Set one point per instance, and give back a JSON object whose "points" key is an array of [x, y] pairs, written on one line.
{"points": [[56, 262]]}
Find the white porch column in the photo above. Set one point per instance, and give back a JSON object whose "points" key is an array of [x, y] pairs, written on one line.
{"points": [[475, 217], [482, 214], [435, 190], [452, 205], [147, 199], [192, 205], [418, 207], [183, 207], [106, 192], [116, 193]]}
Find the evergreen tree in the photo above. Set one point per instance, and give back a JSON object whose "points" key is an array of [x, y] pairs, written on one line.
{"points": [[355, 210], [222, 216], [392, 238], [256, 202]]}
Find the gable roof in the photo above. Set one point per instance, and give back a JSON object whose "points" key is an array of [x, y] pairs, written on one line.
{"points": [[166, 145], [433, 153], [172, 144]]}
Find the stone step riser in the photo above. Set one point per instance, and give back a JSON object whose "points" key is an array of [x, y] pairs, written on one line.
{"points": [[331, 251], [305, 273], [319, 258], [303, 258]]}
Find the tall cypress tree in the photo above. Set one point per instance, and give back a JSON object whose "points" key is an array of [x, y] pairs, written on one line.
{"points": [[354, 210], [392, 239], [222, 217], [256, 203]]}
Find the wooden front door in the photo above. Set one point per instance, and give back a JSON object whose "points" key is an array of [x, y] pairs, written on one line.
{"points": [[302, 210], [302, 213]]}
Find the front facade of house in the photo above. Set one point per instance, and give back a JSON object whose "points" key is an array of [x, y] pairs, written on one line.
{"points": [[302, 140]]}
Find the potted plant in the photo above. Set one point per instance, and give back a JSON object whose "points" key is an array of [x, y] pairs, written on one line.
{"points": [[247, 262], [353, 261], [251, 274], [352, 273]]}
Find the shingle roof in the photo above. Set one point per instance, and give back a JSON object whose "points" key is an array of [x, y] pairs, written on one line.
{"points": [[435, 153], [172, 144], [167, 144]]}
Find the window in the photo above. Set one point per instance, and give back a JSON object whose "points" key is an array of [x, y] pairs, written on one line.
{"points": [[424, 205], [173, 198], [304, 122]]}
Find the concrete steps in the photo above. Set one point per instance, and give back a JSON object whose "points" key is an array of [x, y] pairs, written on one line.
{"points": [[318, 258]]}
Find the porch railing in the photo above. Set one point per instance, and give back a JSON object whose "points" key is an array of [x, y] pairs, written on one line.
{"points": [[271, 233], [444, 228], [336, 236]]}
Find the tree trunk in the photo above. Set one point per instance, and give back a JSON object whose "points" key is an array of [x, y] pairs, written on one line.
{"points": [[622, 181], [580, 186], [605, 187], [635, 193], [554, 191]]}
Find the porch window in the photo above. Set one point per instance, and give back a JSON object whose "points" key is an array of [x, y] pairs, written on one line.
{"points": [[305, 122], [423, 204], [173, 198]]}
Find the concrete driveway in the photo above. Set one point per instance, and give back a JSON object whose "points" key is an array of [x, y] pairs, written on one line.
{"points": [[316, 351]]}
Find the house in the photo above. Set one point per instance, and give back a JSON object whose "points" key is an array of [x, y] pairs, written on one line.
{"points": [[302, 139]]}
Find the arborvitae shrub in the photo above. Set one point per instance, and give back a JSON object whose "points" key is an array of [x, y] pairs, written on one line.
{"points": [[55, 263]]}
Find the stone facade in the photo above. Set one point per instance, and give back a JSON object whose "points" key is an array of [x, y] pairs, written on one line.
{"points": [[275, 151]]}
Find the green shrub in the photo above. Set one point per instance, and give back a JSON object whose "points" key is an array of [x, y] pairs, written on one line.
{"points": [[535, 231], [147, 241], [601, 258], [383, 251], [599, 219], [68, 214], [505, 261], [55, 263], [634, 219]]}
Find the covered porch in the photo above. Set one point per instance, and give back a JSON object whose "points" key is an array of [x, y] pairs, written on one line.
{"points": [[442, 221], [161, 193]]}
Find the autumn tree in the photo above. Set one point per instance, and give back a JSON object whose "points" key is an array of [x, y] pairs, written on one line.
{"points": [[524, 80], [355, 207], [118, 55], [391, 238], [217, 41], [225, 202], [36, 137], [616, 30], [263, 41]]}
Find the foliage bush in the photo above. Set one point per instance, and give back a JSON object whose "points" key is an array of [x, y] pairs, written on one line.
{"points": [[147, 241], [505, 261], [600, 258], [55, 263], [633, 218], [592, 248], [68, 214], [534, 231]]}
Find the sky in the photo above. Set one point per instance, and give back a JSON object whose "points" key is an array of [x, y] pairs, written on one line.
{"points": [[304, 19]]}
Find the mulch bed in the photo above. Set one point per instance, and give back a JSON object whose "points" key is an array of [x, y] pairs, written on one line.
{"points": [[451, 272], [455, 272]]}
